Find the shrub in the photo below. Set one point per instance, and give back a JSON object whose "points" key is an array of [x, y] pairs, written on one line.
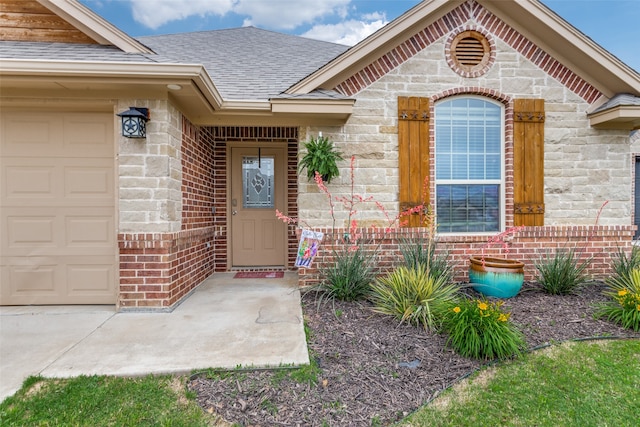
{"points": [[623, 306], [348, 277], [480, 329], [561, 273], [413, 295], [421, 251]]}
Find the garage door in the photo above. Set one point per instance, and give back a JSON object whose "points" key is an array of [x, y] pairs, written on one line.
{"points": [[57, 209]]}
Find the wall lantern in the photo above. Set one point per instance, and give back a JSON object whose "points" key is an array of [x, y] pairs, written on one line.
{"points": [[134, 122]]}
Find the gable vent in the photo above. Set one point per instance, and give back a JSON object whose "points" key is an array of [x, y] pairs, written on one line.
{"points": [[469, 53]]}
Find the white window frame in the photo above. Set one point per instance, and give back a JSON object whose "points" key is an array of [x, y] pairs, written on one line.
{"points": [[500, 182]]}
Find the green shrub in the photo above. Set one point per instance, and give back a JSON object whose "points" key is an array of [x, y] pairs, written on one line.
{"points": [[348, 277], [418, 251], [561, 273], [623, 306], [413, 295], [480, 329], [623, 264]]}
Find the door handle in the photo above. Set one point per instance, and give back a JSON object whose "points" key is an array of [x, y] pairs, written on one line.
{"points": [[234, 212]]}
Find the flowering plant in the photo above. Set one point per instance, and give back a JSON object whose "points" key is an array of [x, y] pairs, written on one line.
{"points": [[352, 267], [623, 306], [500, 239], [481, 329]]}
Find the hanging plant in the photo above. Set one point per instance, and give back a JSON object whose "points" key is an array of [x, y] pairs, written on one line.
{"points": [[322, 157]]}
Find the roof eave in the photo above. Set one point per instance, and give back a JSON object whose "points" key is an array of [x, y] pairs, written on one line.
{"points": [[376, 44], [567, 44], [93, 25], [624, 117], [198, 96], [313, 106]]}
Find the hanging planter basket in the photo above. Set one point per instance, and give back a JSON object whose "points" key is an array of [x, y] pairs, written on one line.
{"points": [[496, 277]]}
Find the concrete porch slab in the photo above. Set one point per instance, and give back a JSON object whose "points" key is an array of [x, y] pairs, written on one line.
{"points": [[225, 323]]}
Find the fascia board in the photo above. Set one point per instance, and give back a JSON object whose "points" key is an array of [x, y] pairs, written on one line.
{"points": [[389, 34], [574, 49], [313, 106], [621, 114], [115, 70], [93, 25], [245, 105]]}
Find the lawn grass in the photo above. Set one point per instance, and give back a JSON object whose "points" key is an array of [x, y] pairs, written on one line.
{"points": [[104, 401], [587, 383]]}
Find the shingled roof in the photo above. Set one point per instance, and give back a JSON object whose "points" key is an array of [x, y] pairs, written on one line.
{"points": [[247, 63]]}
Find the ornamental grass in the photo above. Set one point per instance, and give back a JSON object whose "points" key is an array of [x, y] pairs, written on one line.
{"points": [[413, 295]]}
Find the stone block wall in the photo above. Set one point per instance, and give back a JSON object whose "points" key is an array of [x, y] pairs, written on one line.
{"points": [[158, 269], [584, 167]]}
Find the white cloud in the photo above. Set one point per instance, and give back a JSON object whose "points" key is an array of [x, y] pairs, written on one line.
{"points": [[273, 14], [348, 32], [155, 13], [287, 14]]}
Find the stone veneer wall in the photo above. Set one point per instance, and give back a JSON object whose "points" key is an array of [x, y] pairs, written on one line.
{"points": [[584, 167], [168, 225]]}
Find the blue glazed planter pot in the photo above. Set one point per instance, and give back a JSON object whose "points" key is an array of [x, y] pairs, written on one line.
{"points": [[496, 277]]}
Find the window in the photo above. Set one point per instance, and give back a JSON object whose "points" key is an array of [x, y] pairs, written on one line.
{"points": [[469, 165]]}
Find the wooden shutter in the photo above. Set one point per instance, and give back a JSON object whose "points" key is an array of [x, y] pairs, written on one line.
{"points": [[413, 152], [528, 161]]}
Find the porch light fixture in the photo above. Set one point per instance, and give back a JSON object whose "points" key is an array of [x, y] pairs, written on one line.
{"points": [[134, 122]]}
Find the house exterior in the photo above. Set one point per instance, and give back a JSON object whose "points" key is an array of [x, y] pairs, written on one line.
{"points": [[510, 116]]}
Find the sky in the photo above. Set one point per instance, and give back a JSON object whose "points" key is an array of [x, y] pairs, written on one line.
{"points": [[613, 24]]}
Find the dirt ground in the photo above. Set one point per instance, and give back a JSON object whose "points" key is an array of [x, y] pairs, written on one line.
{"points": [[373, 371]]}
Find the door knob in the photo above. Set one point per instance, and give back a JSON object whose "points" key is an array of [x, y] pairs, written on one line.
{"points": [[234, 212]]}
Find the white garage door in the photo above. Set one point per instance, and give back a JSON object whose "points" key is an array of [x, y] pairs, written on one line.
{"points": [[57, 209]]}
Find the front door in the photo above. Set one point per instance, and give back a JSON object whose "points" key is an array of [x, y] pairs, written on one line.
{"points": [[258, 176]]}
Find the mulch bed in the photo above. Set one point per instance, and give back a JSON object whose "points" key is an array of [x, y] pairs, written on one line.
{"points": [[374, 371]]}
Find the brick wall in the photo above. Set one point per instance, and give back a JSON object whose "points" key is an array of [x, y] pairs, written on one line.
{"points": [[220, 136], [594, 243]]}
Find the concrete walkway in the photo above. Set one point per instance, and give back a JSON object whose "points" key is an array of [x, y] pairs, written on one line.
{"points": [[226, 322]]}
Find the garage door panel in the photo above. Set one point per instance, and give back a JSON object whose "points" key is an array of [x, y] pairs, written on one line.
{"points": [[86, 281], [80, 182], [26, 134], [29, 181], [57, 209], [29, 232], [89, 232], [62, 229], [90, 279], [93, 182], [88, 135]]}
